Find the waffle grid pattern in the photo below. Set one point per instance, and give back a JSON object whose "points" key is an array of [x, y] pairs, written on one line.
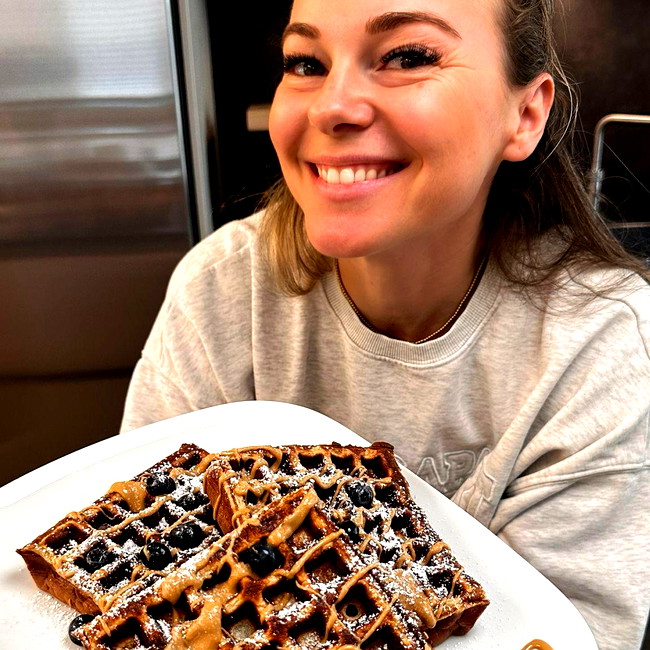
{"points": [[322, 596], [92, 557], [365, 493], [362, 566]]}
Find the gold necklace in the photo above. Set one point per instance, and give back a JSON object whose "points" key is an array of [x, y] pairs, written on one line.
{"points": [[444, 326]]}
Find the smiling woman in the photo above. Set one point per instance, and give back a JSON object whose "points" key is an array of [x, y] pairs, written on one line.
{"points": [[430, 272], [390, 128]]}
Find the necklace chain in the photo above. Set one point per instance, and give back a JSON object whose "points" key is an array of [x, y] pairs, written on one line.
{"points": [[443, 327]]}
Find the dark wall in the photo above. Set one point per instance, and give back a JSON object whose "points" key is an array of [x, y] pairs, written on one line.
{"points": [[246, 61], [606, 47]]}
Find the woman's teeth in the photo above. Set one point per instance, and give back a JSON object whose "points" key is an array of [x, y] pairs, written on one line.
{"points": [[348, 175]]}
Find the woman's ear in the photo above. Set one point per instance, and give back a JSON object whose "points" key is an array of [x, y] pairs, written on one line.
{"points": [[534, 106]]}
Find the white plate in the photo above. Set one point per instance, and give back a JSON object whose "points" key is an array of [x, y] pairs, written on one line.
{"points": [[524, 605]]}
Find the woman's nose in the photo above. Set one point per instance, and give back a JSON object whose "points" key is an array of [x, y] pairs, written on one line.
{"points": [[342, 103]]}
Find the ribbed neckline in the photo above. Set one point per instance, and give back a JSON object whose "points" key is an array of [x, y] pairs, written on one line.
{"points": [[477, 310]]}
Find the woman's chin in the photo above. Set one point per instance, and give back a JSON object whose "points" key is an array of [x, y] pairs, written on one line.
{"points": [[339, 242], [337, 247]]}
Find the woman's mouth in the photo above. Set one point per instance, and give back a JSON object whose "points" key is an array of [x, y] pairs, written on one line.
{"points": [[349, 174]]}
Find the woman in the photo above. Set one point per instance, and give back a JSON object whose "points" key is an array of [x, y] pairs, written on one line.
{"points": [[429, 272]]}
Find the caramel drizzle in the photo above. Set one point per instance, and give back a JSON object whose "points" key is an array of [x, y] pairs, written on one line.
{"points": [[290, 525], [202, 465], [134, 493], [354, 579], [266, 490], [202, 632], [206, 630], [379, 621], [326, 541], [434, 550], [537, 644]]}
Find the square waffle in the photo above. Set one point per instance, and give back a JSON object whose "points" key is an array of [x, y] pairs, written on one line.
{"points": [[287, 577], [129, 538], [366, 495]]}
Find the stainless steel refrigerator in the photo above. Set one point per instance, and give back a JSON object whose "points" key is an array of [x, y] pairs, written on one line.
{"points": [[99, 198]]}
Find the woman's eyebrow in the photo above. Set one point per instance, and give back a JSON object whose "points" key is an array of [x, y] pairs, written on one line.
{"points": [[383, 23], [301, 29], [394, 19]]}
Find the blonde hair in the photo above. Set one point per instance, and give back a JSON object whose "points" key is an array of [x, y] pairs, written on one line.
{"points": [[294, 263]]}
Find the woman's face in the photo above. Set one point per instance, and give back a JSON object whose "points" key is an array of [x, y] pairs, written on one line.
{"points": [[391, 120]]}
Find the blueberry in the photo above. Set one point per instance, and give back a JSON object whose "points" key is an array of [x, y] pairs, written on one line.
{"points": [[156, 555], [97, 557], [441, 581], [262, 558], [351, 529], [77, 622], [360, 493], [158, 484], [192, 500], [186, 535]]}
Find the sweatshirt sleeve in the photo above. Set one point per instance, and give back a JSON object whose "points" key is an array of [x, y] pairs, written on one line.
{"points": [[174, 374], [152, 397], [590, 538], [198, 353], [575, 502]]}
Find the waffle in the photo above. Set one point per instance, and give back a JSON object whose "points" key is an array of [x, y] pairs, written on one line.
{"points": [[310, 588], [364, 493], [129, 538]]}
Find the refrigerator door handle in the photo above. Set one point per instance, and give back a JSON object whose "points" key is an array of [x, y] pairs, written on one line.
{"points": [[193, 79]]}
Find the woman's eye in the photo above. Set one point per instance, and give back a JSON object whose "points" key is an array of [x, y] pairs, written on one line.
{"points": [[410, 56], [302, 66]]}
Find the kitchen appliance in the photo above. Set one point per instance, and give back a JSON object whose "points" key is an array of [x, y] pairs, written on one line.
{"points": [[97, 205]]}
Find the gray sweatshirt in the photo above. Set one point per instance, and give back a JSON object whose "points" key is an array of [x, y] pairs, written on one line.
{"points": [[536, 422]]}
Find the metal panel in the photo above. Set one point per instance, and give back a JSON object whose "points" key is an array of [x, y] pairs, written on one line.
{"points": [[191, 36], [88, 124], [94, 209]]}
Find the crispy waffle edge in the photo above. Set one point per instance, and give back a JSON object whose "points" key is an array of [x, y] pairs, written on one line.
{"points": [[40, 554]]}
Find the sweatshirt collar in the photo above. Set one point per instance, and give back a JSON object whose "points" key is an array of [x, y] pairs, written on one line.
{"points": [[476, 312]]}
